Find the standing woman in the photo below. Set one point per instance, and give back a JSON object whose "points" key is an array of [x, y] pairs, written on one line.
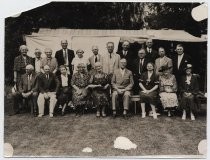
{"points": [[80, 81], [99, 82], [149, 85], [189, 88], [168, 89]]}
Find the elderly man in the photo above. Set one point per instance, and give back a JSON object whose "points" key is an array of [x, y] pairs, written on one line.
{"points": [[48, 87], [96, 57], [162, 61], [151, 53], [20, 63], [122, 83], [27, 90], [37, 60], [126, 53], [50, 61], [65, 56], [111, 60]]}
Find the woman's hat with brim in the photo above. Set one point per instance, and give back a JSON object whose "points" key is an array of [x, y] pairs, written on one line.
{"points": [[189, 66], [163, 68]]}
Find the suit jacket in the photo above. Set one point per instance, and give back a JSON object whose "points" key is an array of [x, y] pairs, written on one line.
{"points": [[109, 65], [23, 84], [60, 58], [193, 87], [135, 67], [151, 56], [92, 60], [166, 61], [180, 72], [129, 57], [122, 82], [48, 85]]}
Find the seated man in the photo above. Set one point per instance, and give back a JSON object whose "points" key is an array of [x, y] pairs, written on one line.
{"points": [[122, 83], [27, 89], [48, 87]]}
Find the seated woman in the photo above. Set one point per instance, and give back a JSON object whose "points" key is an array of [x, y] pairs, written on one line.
{"points": [[149, 85], [168, 89], [64, 93], [80, 81], [189, 88], [99, 83]]}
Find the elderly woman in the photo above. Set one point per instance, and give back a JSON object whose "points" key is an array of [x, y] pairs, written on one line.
{"points": [[99, 82], [79, 58], [168, 89], [149, 85], [189, 88], [80, 81]]}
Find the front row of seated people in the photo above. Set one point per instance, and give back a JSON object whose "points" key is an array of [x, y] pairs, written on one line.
{"points": [[62, 89]]}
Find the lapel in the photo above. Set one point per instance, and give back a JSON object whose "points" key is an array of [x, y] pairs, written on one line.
{"points": [[182, 61]]}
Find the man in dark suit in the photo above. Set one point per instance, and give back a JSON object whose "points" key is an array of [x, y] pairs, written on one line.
{"points": [[139, 66], [48, 86], [27, 90], [151, 53], [180, 61], [65, 56], [126, 53]]}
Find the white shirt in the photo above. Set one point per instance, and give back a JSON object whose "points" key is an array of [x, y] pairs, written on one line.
{"points": [[66, 60], [149, 50], [77, 61], [122, 71], [125, 53], [180, 59], [162, 60], [37, 65], [64, 80]]}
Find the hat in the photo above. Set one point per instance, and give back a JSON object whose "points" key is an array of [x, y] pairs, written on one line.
{"points": [[189, 66], [163, 68]]}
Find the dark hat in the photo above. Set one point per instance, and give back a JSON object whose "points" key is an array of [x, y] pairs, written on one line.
{"points": [[163, 68], [189, 66]]}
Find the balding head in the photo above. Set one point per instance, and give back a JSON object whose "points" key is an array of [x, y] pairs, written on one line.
{"points": [[95, 50], [125, 45], [46, 69], [123, 63], [48, 52], [64, 44]]}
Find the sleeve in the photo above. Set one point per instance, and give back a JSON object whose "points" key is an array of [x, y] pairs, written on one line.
{"points": [[73, 80], [142, 78], [161, 85], [130, 86], [20, 85], [15, 64], [73, 61], [113, 81], [156, 80], [91, 79]]}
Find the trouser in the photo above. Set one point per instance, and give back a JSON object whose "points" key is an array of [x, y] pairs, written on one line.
{"points": [[41, 102], [125, 97]]}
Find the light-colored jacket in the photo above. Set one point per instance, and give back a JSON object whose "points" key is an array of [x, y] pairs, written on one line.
{"points": [[111, 64], [166, 61], [92, 60]]}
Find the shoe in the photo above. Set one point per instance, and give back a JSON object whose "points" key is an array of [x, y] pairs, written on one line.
{"points": [[155, 116], [62, 113], [103, 114], [51, 115], [169, 114], [114, 114], [184, 117], [40, 115], [97, 114], [192, 117], [143, 115]]}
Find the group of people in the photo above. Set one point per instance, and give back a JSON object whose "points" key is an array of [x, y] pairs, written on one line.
{"points": [[69, 79]]}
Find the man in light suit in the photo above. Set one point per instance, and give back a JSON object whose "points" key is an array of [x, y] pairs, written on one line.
{"points": [[111, 60], [122, 83], [151, 53], [65, 56], [162, 61], [96, 57], [27, 90], [48, 86]]}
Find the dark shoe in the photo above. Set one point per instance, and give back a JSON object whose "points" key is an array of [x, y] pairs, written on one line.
{"points": [[125, 116], [62, 113]]}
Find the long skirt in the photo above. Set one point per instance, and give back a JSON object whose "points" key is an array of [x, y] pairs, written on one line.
{"points": [[100, 98], [82, 99], [149, 98], [168, 100], [188, 103]]}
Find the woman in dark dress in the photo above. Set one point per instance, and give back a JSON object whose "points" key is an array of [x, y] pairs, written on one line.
{"points": [[149, 85], [80, 81], [189, 88], [99, 82]]}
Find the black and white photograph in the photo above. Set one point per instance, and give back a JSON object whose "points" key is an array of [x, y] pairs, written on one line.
{"points": [[106, 80]]}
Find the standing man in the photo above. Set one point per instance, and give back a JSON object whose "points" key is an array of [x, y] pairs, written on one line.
{"points": [[37, 60], [122, 83], [180, 61], [65, 56], [96, 57], [48, 87], [126, 53], [111, 60], [162, 61], [50, 61], [151, 53], [20, 63], [139, 66]]}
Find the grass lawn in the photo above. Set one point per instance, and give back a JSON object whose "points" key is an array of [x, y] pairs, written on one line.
{"points": [[68, 135]]}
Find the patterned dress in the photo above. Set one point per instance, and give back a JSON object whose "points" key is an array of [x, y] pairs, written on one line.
{"points": [[148, 84], [100, 95], [81, 81], [168, 100]]}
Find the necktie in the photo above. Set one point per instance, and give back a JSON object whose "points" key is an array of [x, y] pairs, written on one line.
{"points": [[29, 83], [110, 55], [96, 59], [140, 65], [47, 76], [65, 56]]}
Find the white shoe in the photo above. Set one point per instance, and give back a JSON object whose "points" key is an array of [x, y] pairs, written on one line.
{"points": [[40, 115], [184, 117], [51, 115], [143, 115], [192, 117], [155, 116]]}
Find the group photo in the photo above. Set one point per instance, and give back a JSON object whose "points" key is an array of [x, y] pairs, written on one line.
{"points": [[106, 79]]}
